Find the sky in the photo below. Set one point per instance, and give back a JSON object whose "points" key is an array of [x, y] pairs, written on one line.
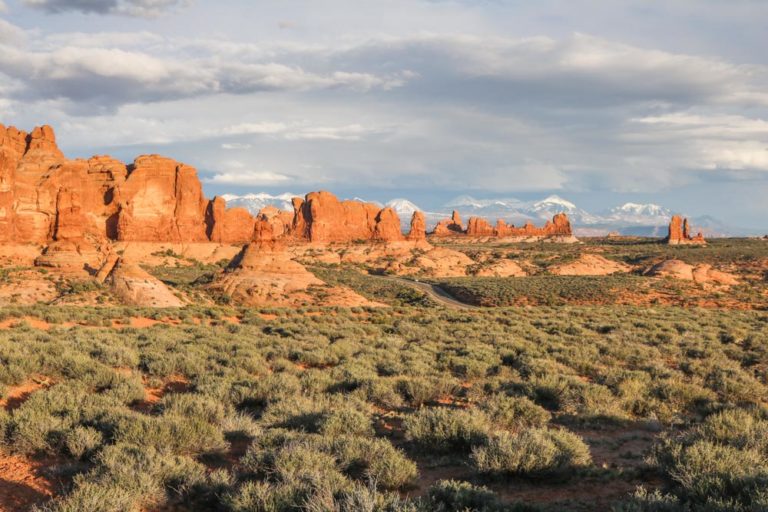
{"points": [[598, 101]]}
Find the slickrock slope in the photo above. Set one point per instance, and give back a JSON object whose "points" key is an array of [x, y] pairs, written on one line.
{"points": [[502, 268], [264, 274], [702, 273], [590, 265], [134, 286], [680, 233]]}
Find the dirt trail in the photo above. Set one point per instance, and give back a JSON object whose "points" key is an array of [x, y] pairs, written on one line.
{"points": [[434, 292]]}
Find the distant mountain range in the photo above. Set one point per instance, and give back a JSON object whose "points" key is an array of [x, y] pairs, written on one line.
{"points": [[627, 219]]}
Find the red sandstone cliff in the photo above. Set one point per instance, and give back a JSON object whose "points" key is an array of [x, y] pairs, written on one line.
{"points": [[321, 217], [44, 197]]}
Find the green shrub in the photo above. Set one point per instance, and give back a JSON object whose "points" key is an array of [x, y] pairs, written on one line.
{"points": [[346, 421], [193, 406], [373, 459], [512, 413], [176, 434], [446, 430], [533, 452], [82, 441], [724, 460], [452, 495]]}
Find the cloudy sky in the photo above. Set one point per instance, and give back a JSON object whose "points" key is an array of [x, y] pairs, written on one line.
{"points": [[599, 101]]}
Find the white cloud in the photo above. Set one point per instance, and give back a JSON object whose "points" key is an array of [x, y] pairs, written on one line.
{"points": [[300, 131], [251, 178], [135, 8], [235, 145], [748, 155]]}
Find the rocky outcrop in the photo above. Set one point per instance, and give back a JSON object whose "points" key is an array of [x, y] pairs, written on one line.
{"points": [[321, 218], [680, 233], [702, 273], [449, 227], [136, 287], [590, 265], [501, 268], [78, 256], [477, 226], [233, 225], [418, 231]]}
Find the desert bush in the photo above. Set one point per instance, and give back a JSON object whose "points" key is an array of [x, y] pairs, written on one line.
{"points": [[375, 460], [346, 421], [512, 413], [452, 495], [175, 434], [125, 477], [724, 460], [193, 405], [534, 452], [446, 430], [418, 391], [82, 441]]}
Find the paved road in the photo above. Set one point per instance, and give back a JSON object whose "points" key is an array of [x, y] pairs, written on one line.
{"points": [[433, 291]]}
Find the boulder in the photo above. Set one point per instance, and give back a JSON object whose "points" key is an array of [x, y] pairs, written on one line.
{"points": [[78, 256]]}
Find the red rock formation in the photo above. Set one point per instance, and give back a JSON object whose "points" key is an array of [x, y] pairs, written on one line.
{"points": [[231, 226], [418, 229], [449, 227], [387, 227], [70, 219], [43, 197], [281, 221], [559, 226], [161, 200], [477, 226], [679, 233], [321, 217]]}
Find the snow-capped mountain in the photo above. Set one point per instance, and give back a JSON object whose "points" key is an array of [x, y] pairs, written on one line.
{"points": [[403, 206], [548, 207], [639, 214], [255, 202], [518, 212]]}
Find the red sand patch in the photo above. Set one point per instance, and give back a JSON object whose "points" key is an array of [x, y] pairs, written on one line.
{"points": [[174, 384], [35, 323], [17, 395], [21, 483]]}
